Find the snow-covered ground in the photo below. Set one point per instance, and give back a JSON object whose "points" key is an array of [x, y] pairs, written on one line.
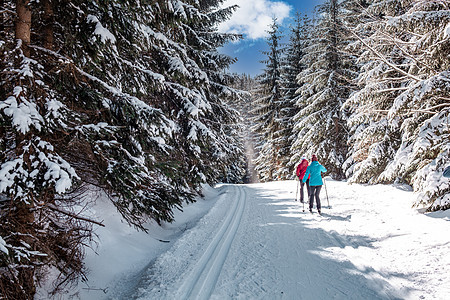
{"points": [[255, 242]]}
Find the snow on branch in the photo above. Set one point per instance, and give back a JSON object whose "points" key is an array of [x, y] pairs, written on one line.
{"points": [[136, 102], [23, 113], [160, 78], [5, 10], [47, 169], [382, 57], [101, 31], [396, 42], [3, 246]]}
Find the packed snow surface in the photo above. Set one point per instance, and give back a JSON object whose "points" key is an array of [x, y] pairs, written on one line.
{"points": [[255, 242]]}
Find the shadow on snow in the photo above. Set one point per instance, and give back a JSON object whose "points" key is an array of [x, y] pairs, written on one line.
{"points": [[316, 241]]}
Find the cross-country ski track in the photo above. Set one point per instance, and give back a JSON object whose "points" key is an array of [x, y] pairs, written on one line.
{"points": [[203, 278], [255, 242]]}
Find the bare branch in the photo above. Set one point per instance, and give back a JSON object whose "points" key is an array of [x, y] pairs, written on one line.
{"points": [[392, 90], [67, 213], [406, 53], [5, 10], [439, 105]]}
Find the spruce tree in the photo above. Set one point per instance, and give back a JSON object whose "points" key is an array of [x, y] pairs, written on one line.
{"points": [[38, 227], [126, 96], [326, 83], [373, 139], [267, 110], [291, 67], [243, 102], [299, 40]]}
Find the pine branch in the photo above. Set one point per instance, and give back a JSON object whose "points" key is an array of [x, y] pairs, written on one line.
{"points": [[440, 105], [412, 111], [382, 58]]}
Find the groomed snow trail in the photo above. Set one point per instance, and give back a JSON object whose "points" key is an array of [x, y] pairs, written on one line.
{"points": [[192, 267], [256, 243], [203, 277]]}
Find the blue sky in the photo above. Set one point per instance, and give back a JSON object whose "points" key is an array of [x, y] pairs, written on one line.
{"points": [[252, 20]]}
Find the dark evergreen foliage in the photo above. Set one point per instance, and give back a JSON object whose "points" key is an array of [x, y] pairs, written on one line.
{"points": [[126, 96]]}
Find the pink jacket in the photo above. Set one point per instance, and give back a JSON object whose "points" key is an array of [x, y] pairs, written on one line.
{"points": [[301, 169]]}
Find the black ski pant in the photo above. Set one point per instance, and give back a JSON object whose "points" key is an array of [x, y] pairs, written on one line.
{"points": [[302, 188], [315, 191]]}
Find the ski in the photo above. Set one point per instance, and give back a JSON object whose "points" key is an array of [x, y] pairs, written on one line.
{"points": [[322, 217], [319, 216]]}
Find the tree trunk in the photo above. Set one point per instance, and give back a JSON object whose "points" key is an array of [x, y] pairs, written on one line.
{"points": [[3, 20], [48, 24], [23, 24], [22, 216]]}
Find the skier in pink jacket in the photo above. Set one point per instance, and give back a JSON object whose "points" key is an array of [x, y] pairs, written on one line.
{"points": [[301, 169]]}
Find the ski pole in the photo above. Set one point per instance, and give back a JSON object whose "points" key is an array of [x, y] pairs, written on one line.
{"points": [[296, 191], [304, 204], [326, 192]]}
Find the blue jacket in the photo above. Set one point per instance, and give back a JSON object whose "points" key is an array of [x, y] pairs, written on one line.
{"points": [[315, 170]]}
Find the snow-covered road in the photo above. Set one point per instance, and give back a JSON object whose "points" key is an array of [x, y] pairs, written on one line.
{"points": [[256, 243]]}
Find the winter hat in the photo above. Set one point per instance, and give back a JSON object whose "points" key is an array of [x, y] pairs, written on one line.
{"points": [[314, 157]]}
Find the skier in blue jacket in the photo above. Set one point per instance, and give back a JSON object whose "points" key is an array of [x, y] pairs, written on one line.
{"points": [[315, 182]]}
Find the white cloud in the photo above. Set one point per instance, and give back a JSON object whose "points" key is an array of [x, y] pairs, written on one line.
{"points": [[253, 17], [244, 47]]}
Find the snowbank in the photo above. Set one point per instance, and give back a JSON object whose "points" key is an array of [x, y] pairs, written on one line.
{"points": [[122, 252]]}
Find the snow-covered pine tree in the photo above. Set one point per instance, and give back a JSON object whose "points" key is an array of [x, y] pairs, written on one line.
{"points": [[267, 110], [207, 120], [37, 227], [127, 96], [326, 83], [406, 74], [292, 66], [354, 15], [373, 140]]}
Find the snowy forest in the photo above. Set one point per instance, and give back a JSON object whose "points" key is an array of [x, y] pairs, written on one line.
{"points": [[365, 86], [134, 98]]}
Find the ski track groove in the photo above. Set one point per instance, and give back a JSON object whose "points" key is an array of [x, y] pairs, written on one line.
{"points": [[202, 280], [250, 254]]}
